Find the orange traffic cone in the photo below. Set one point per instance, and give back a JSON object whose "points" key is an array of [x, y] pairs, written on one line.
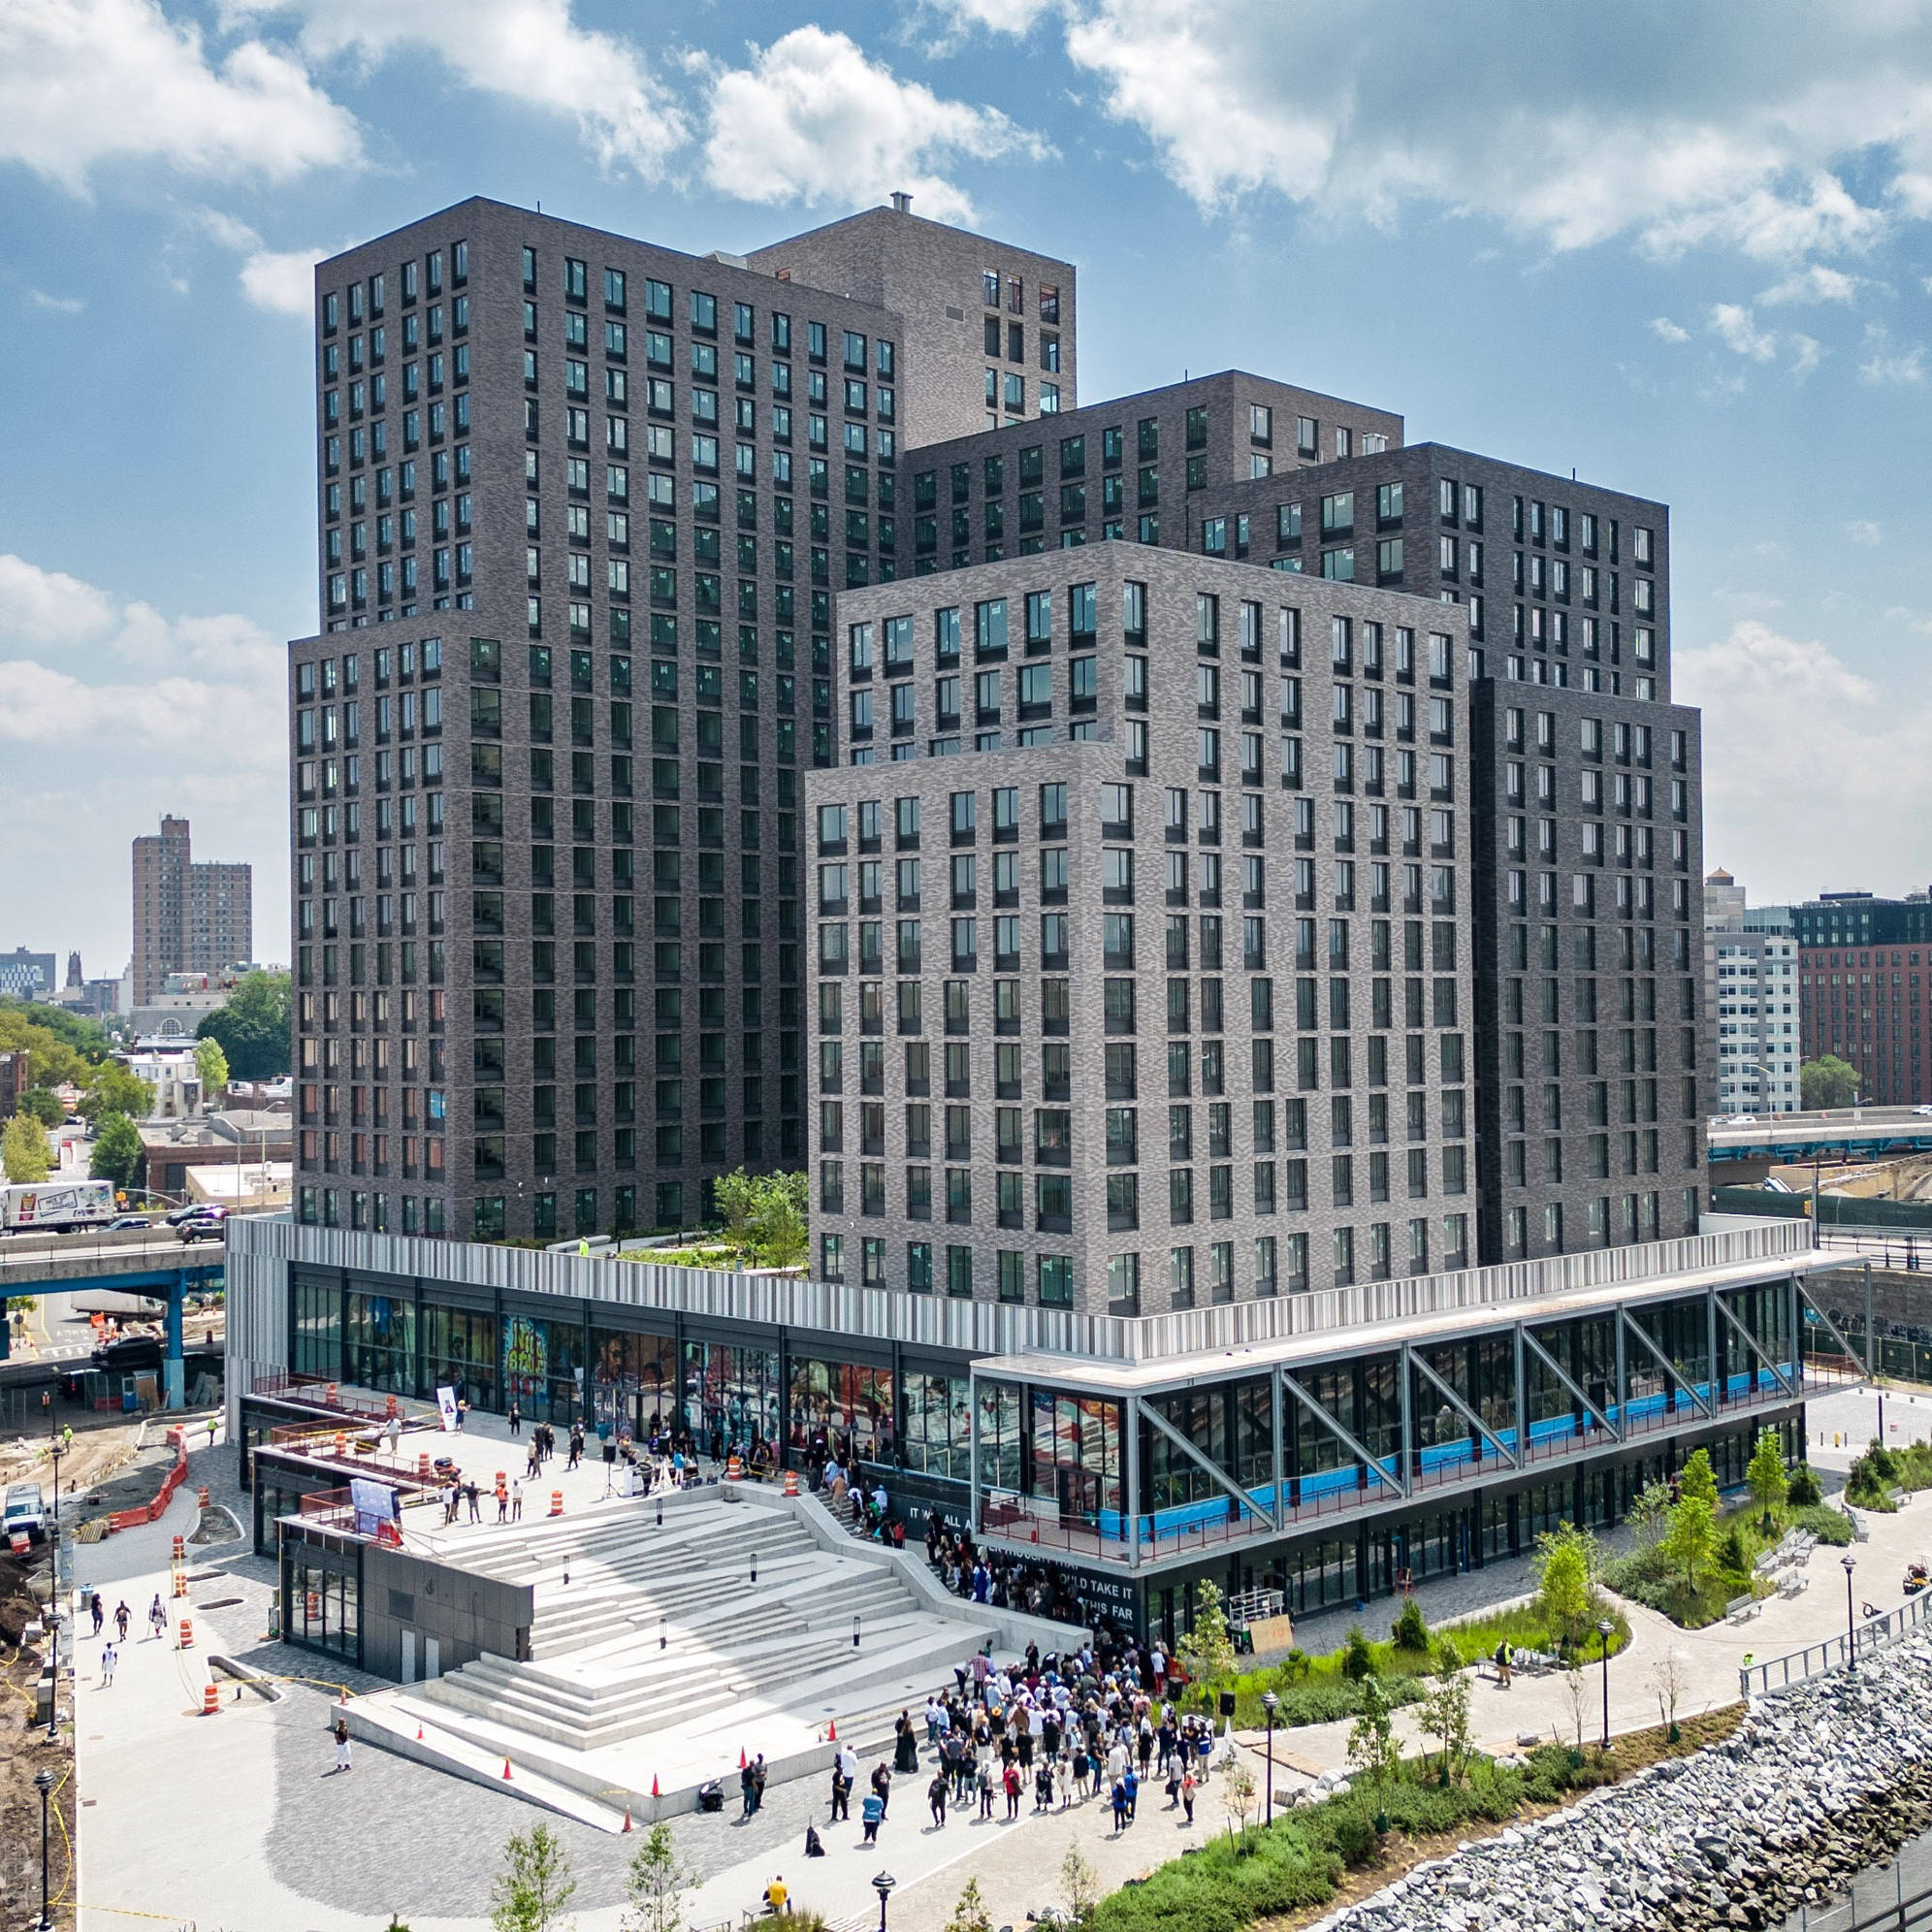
{"points": [[832, 1735], [419, 1731], [507, 1771], [654, 1785], [742, 1760], [627, 1813]]}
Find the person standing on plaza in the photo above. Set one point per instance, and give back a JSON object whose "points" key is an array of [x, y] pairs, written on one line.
{"points": [[882, 1785], [872, 1815], [906, 1748], [516, 1419], [342, 1744], [841, 1793], [108, 1663], [516, 1499]]}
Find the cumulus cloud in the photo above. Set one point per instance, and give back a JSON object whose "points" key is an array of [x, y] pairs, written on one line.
{"points": [[999, 16], [532, 51], [1889, 362], [1733, 327], [1813, 282], [812, 120], [1669, 331], [277, 280], [1737, 129], [85, 83], [1862, 531], [58, 304], [1797, 745]]}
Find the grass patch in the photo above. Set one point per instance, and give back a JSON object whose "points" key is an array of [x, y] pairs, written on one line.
{"points": [[1293, 1870], [1323, 1689]]}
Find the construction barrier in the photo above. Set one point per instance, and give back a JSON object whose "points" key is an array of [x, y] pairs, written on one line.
{"points": [[423, 1468], [734, 1468], [791, 1481], [181, 1554], [152, 1512], [557, 1503], [210, 1700], [181, 1578], [187, 1635], [201, 1496], [389, 1411]]}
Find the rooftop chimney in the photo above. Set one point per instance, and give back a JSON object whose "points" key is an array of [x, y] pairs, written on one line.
{"points": [[901, 201]]}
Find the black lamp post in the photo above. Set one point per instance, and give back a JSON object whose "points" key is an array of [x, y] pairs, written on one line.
{"points": [[883, 1885], [44, 1785], [1604, 1629], [53, 1653], [754, 1567], [1269, 1701], [1850, 1627]]}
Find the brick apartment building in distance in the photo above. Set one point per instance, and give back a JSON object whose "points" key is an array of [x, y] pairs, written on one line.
{"points": [[1193, 878], [1865, 990], [189, 915]]}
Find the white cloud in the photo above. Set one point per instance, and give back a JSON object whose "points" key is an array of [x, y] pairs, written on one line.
{"points": [[1733, 327], [813, 120], [1886, 362], [277, 280], [85, 83], [996, 17], [1807, 352], [1813, 282], [42, 705], [1738, 128], [1669, 331], [283, 282], [1861, 531], [49, 607], [527, 50], [1798, 745], [58, 304]]}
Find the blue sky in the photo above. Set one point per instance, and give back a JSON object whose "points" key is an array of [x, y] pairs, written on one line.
{"points": [[1688, 252]]}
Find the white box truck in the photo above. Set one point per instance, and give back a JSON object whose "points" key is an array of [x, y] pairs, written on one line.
{"points": [[55, 1206]]}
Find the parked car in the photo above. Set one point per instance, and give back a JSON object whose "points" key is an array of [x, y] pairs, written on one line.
{"points": [[25, 1513], [123, 1222]]}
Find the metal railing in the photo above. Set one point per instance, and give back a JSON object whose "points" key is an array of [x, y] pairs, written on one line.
{"points": [[1864, 1639]]}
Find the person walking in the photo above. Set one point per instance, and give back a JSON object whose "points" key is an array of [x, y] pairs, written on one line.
{"points": [[100, 1615], [985, 1782], [108, 1662], [1119, 1805], [157, 1617], [123, 1616], [936, 1798], [1009, 1782], [342, 1744], [872, 1815], [1188, 1794]]}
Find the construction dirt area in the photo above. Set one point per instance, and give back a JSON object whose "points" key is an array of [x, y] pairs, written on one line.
{"points": [[23, 1752]]}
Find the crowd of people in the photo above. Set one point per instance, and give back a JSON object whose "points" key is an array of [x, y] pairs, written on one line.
{"points": [[1059, 1730]]}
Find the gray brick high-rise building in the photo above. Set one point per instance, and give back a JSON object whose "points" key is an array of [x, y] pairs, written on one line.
{"points": [[584, 507]]}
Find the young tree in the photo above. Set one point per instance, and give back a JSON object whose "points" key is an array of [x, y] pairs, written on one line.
{"points": [[1079, 1886], [1669, 1679], [1576, 1705], [534, 1885], [1691, 1539], [117, 1150], [1445, 1709], [1698, 1479], [779, 1219], [735, 1195], [23, 1149], [1207, 1650], [656, 1884], [43, 1106], [211, 1064], [1564, 1562], [1827, 1081], [1373, 1747], [1650, 1511], [1238, 1795], [970, 1913], [1766, 1474]]}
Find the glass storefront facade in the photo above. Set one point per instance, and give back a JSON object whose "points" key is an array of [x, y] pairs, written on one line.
{"points": [[633, 1382], [321, 1582], [731, 1397], [843, 1404], [460, 1351]]}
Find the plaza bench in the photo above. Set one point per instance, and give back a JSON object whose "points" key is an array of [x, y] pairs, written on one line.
{"points": [[1739, 1608], [1791, 1583]]}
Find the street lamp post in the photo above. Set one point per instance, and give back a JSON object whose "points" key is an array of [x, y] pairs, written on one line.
{"points": [[44, 1785], [1269, 1701], [883, 1885], [1850, 1628], [1604, 1628]]}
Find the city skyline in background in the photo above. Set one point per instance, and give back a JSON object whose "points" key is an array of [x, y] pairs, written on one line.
{"points": [[1721, 301]]}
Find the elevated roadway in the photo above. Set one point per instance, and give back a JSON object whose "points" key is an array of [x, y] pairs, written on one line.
{"points": [[137, 1260]]}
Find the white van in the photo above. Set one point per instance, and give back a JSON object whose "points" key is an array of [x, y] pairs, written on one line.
{"points": [[25, 1513]]}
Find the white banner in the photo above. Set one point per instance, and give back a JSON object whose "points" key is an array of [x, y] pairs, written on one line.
{"points": [[447, 1402]]}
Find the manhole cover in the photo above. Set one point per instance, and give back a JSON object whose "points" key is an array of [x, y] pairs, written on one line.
{"points": [[206, 1576], [218, 1603]]}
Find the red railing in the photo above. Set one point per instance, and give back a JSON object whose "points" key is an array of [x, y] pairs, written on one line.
{"points": [[313, 1394]]}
